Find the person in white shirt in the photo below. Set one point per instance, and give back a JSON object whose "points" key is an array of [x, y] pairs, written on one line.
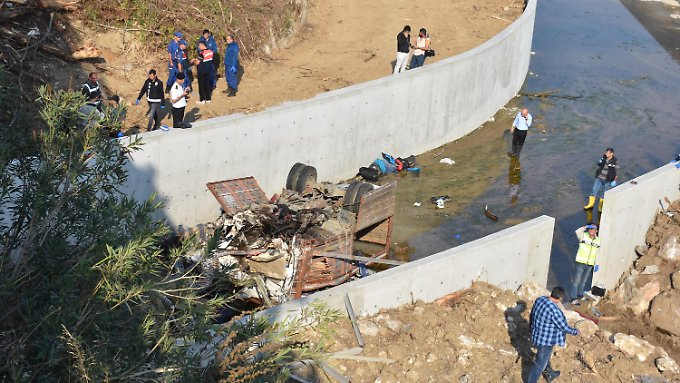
{"points": [[519, 129], [178, 97]]}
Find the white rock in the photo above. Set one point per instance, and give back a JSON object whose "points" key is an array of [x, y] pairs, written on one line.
{"points": [[431, 357], [394, 324], [466, 340], [586, 328], [633, 346], [667, 364], [670, 251], [367, 328], [419, 310], [532, 290], [447, 161], [572, 316], [651, 269]]}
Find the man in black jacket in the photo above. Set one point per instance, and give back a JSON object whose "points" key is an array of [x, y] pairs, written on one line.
{"points": [[153, 88], [403, 47], [92, 89], [605, 178]]}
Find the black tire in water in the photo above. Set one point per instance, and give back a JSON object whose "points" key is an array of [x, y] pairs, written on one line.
{"points": [[293, 175], [306, 178]]}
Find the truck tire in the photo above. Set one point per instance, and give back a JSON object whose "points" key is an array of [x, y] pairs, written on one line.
{"points": [[306, 178], [348, 199], [362, 190], [293, 175]]}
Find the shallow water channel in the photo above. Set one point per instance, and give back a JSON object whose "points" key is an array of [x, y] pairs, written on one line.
{"points": [[608, 83]]}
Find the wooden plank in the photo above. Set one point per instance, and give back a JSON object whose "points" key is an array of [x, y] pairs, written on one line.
{"points": [[376, 206], [360, 258]]}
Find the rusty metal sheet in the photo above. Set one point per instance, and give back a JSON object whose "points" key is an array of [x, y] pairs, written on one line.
{"points": [[237, 194], [376, 206]]}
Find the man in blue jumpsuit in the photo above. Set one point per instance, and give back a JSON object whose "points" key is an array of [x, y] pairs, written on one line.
{"points": [[231, 66], [183, 65], [210, 43], [173, 47]]}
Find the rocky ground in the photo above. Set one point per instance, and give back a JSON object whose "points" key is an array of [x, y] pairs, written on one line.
{"points": [[481, 334]]}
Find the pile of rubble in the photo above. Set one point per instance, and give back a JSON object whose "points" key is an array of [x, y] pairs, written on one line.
{"points": [[255, 251], [647, 299], [482, 334]]}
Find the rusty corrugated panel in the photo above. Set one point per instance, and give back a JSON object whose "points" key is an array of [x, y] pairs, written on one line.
{"points": [[237, 194]]}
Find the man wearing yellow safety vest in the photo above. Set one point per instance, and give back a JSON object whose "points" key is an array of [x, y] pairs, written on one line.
{"points": [[588, 248]]}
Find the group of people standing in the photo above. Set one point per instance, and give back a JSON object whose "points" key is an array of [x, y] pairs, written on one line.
{"points": [[548, 323], [419, 50], [181, 76]]}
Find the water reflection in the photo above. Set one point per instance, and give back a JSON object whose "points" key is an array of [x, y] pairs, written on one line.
{"points": [[514, 178]]}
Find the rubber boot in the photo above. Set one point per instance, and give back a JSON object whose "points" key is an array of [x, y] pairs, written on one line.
{"points": [[599, 206], [591, 202]]}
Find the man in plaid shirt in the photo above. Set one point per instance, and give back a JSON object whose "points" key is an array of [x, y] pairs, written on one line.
{"points": [[548, 326]]}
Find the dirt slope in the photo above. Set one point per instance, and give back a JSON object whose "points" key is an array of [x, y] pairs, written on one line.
{"points": [[342, 44]]}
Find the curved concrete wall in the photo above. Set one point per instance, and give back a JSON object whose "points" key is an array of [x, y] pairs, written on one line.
{"points": [[337, 132], [627, 214]]}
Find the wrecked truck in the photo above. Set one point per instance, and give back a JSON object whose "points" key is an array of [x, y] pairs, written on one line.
{"points": [[310, 236]]}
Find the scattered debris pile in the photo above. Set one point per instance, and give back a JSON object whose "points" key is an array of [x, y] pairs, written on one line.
{"points": [[264, 250], [482, 334]]}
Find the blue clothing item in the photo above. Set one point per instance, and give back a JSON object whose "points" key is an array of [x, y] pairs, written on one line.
{"points": [[417, 61], [231, 65], [521, 123], [173, 46], [172, 76], [548, 324], [541, 363], [210, 43], [581, 274], [598, 185], [232, 80], [231, 57]]}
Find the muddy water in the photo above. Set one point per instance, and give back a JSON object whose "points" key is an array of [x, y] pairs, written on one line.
{"points": [[603, 80]]}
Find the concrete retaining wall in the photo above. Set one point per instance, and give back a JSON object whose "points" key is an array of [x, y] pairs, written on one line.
{"points": [[506, 259], [337, 132], [628, 212]]}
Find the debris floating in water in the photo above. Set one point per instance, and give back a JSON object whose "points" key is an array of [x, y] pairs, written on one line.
{"points": [[489, 214]]}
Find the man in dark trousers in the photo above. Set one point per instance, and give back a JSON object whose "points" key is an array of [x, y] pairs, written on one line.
{"points": [[153, 88], [211, 44], [231, 66], [605, 178], [548, 328], [205, 72], [91, 89], [178, 97], [403, 47], [519, 129]]}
